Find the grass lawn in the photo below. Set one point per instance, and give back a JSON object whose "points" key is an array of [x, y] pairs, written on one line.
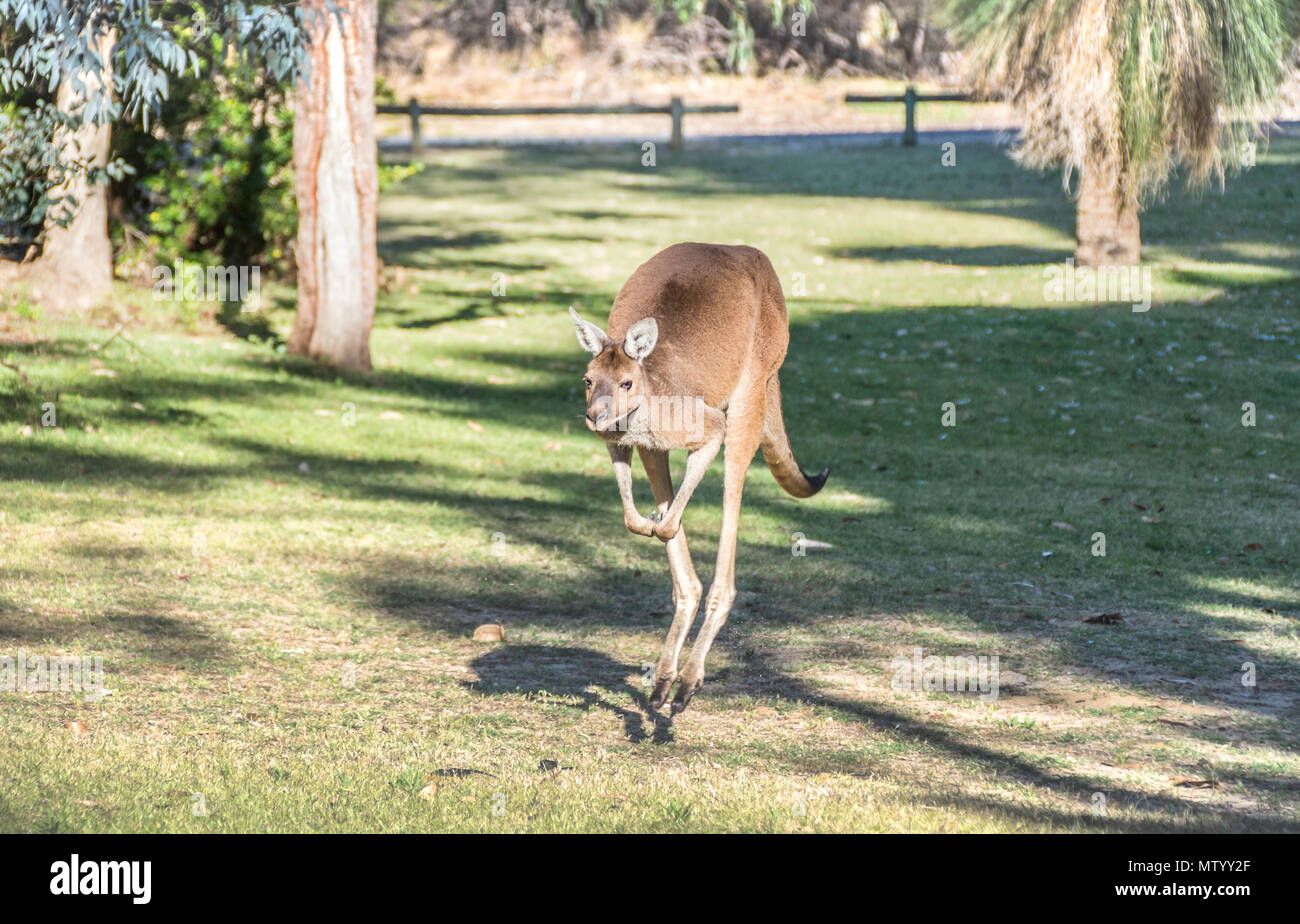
{"points": [[282, 568]]}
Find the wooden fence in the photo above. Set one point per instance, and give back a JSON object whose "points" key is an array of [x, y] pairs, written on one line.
{"points": [[909, 99], [676, 109]]}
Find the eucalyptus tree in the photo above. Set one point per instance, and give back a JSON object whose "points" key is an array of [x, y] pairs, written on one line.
{"points": [[100, 61], [336, 177], [1122, 93]]}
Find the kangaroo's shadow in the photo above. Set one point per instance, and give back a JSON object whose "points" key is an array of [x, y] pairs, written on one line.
{"points": [[577, 677]]}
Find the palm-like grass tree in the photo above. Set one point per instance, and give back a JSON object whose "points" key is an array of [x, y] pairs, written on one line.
{"points": [[1121, 93]]}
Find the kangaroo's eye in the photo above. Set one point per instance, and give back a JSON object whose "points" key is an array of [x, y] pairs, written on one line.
{"points": [[626, 386], [586, 380]]}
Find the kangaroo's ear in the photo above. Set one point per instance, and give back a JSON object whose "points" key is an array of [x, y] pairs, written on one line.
{"points": [[641, 338], [590, 337]]}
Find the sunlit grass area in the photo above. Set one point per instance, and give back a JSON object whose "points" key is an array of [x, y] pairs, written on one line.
{"points": [[282, 567]]}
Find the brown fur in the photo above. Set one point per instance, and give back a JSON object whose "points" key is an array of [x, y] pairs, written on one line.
{"points": [[704, 324]]}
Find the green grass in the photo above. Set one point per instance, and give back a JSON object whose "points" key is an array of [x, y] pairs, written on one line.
{"points": [[282, 567]]}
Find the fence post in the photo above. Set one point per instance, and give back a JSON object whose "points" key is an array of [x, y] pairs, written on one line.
{"points": [[417, 144], [909, 130], [676, 109]]}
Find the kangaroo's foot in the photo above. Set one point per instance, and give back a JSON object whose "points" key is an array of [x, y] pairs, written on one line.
{"points": [[660, 694], [687, 687]]}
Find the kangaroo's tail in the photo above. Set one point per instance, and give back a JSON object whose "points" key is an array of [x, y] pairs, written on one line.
{"points": [[777, 452]]}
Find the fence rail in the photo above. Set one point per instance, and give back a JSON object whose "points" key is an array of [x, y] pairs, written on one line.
{"points": [[909, 98], [676, 109]]}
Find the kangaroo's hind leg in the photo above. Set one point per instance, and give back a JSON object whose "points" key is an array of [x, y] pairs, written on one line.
{"points": [[744, 432], [687, 588]]}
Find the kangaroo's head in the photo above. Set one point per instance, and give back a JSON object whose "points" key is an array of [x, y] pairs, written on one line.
{"points": [[615, 377]]}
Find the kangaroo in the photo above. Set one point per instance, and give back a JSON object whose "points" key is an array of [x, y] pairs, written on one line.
{"points": [[689, 360]]}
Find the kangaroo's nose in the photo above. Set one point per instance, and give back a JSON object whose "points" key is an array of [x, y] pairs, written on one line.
{"points": [[601, 417]]}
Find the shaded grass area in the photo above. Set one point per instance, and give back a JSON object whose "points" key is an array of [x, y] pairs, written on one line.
{"points": [[282, 566]]}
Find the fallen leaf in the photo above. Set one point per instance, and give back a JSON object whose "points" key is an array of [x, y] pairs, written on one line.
{"points": [[1197, 784], [474, 425], [490, 632], [1104, 619], [430, 791], [77, 728], [1252, 547]]}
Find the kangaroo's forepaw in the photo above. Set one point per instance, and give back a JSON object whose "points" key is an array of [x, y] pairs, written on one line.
{"points": [[666, 530], [641, 526]]}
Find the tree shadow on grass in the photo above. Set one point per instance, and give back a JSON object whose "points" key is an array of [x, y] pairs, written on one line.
{"points": [[254, 326], [585, 678], [48, 459], [139, 626], [409, 244], [474, 310], [992, 255], [984, 182]]}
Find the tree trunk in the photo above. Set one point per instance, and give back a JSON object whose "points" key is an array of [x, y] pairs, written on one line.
{"points": [[337, 187], [1107, 229], [915, 41], [75, 268]]}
